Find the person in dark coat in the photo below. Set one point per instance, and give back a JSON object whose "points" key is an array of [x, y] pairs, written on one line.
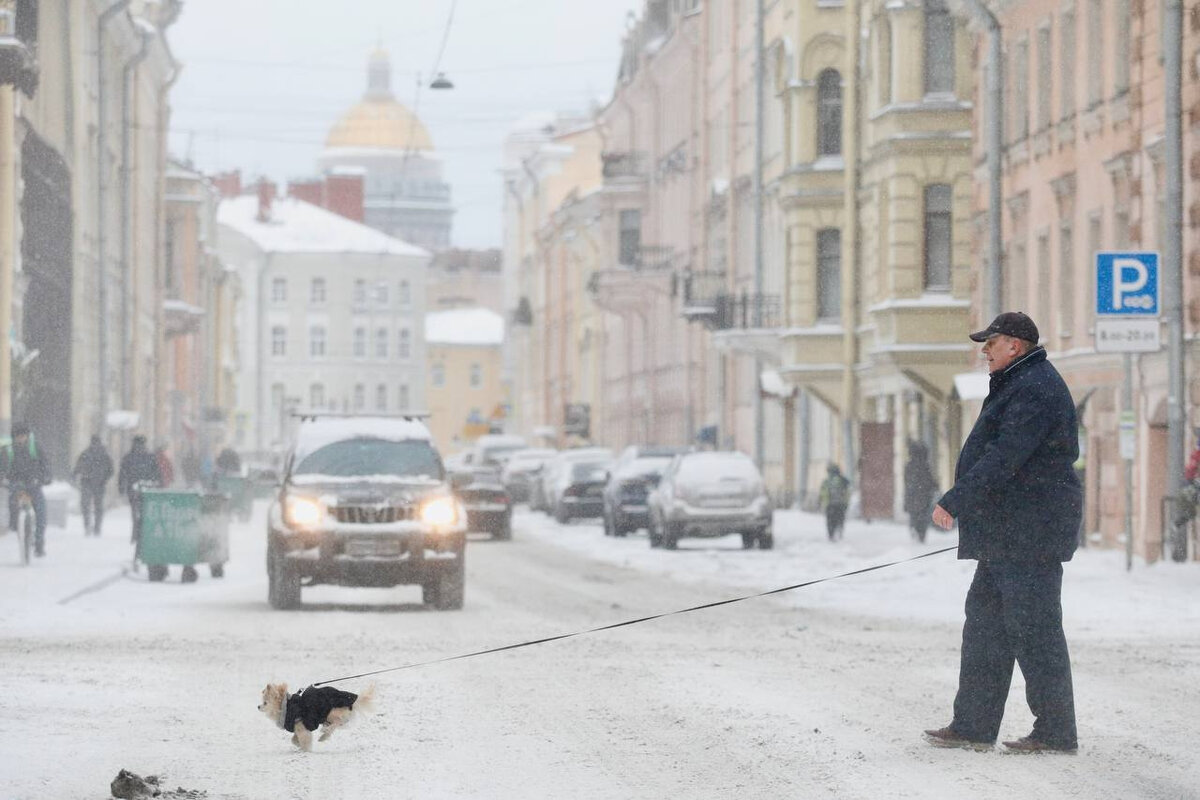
{"points": [[93, 469], [228, 462], [919, 486], [23, 466], [835, 498], [139, 468], [1018, 504]]}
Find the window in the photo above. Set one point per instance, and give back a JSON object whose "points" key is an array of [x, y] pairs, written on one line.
{"points": [[476, 376], [1095, 244], [939, 48], [381, 398], [1095, 43], [829, 113], [317, 292], [316, 341], [1066, 283], [360, 396], [829, 274], [631, 237], [381, 343], [360, 342], [1018, 265], [381, 294], [1020, 95], [1045, 76], [1067, 62], [1121, 47], [316, 396], [405, 294], [279, 290], [279, 341], [939, 239], [438, 376], [360, 293], [404, 350], [883, 60], [402, 398], [1043, 290]]}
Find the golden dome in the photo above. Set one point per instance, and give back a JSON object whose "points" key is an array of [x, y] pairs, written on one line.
{"points": [[380, 123]]}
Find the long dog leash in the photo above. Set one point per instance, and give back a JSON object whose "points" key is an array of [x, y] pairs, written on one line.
{"points": [[637, 621]]}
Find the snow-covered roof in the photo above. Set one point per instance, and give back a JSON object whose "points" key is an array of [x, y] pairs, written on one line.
{"points": [[313, 434], [299, 227], [467, 326]]}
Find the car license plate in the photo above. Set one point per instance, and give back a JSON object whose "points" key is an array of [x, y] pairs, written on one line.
{"points": [[377, 548], [487, 507], [635, 509]]}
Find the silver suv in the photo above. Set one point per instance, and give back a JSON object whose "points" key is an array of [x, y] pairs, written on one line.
{"points": [[364, 501], [708, 494]]}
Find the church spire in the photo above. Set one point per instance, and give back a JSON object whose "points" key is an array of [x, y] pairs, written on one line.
{"points": [[379, 75]]}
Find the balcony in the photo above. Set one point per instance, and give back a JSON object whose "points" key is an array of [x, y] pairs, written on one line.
{"points": [[648, 258], [629, 164]]}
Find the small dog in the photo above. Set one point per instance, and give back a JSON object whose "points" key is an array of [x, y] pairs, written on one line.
{"points": [[305, 711]]}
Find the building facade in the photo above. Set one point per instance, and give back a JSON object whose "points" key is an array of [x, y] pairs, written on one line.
{"points": [[332, 318], [464, 383]]}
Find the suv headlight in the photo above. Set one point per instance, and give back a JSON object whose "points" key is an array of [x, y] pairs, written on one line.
{"points": [[439, 511], [302, 512]]}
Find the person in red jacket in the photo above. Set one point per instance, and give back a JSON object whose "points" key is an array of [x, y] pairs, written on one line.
{"points": [[166, 469]]}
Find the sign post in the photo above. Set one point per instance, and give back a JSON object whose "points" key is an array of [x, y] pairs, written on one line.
{"points": [[1127, 300]]}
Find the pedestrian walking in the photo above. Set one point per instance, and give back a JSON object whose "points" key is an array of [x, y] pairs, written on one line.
{"points": [[835, 497], [166, 469], [1018, 504], [919, 486], [23, 466], [139, 469], [93, 470]]}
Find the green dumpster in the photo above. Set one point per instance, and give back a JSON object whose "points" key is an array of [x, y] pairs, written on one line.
{"points": [[187, 528], [237, 489]]}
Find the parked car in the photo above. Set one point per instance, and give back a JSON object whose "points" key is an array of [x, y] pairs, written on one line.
{"points": [[522, 469], [489, 508], [579, 491], [636, 451], [493, 449], [707, 494], [545, 496], [365, 501], [627, 493]]}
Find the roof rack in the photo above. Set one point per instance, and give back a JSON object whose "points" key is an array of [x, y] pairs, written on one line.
{"points": [[309, 416]]}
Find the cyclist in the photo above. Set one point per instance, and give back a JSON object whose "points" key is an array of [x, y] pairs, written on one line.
{"points": [[139, 468], [23, 465]]}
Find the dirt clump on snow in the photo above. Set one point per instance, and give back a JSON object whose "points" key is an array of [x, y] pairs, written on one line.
{"points": [[131, 786]]}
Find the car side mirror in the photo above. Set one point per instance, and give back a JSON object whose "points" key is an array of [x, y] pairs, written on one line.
{"points": [[459, 480]]}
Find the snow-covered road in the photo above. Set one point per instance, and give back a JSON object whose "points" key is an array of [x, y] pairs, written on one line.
{"points": [[817, 693]]}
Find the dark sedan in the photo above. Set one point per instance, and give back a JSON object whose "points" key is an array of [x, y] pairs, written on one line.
{"points": [[580, 490], [625, 498], [489, 508]]}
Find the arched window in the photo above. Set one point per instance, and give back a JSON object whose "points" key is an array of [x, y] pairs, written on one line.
{"points": [[829, 113], [829, 275]]}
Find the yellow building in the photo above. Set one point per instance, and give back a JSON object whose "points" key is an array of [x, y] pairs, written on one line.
{"points": [[464, 390]]}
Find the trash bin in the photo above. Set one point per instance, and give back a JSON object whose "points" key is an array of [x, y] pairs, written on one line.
{"points": [[186, 528], [58, 499], [237, 489]]}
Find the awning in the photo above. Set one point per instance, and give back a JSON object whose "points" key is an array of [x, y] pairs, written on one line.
{"points": [[972, 385]]}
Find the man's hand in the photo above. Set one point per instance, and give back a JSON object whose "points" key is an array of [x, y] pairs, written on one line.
{"points": [[942, 518]]}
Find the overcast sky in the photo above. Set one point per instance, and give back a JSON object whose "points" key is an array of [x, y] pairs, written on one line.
{"points": [[264, 80]]}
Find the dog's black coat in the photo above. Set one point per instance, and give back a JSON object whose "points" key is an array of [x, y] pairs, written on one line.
{"points": [[312, 706]]}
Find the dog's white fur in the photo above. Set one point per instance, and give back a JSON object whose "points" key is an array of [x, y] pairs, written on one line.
{"points": [[275, 695]]}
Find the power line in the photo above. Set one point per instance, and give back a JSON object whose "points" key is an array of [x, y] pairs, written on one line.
{"points": [[309, 66]]}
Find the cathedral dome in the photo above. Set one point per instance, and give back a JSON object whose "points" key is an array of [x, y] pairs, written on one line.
{"points": [[378, 121]]}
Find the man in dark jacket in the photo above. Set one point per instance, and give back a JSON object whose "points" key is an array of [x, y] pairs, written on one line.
{"points": [[23, 466], [93, 470], [1018, 504], [139, 466], [919, 486]]}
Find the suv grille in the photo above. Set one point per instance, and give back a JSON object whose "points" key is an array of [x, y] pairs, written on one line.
{"points": [[372, 515]]}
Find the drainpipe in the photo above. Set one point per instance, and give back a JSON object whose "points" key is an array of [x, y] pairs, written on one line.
{"points": [[8, 249], [759, 124], [850, 245], [1172, 252], [161, 112], [994, 144], [128, 327], [101, 158]]}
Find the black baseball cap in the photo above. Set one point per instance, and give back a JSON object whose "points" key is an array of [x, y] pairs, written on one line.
{"points": [[1011, 323]]}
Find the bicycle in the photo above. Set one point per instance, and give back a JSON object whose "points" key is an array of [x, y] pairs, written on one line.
{"points": [[26, 522]]}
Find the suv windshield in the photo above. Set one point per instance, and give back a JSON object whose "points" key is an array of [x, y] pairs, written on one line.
{"points": [[356, 458]]}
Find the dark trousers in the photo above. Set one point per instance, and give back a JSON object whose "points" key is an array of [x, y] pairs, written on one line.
{"points": [[1014, 615], [835, 520], [91, 498], [39, 508]]}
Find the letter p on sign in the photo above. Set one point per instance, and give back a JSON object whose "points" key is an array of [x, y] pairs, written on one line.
{"points": [[1129, 277], [1127, 284]]}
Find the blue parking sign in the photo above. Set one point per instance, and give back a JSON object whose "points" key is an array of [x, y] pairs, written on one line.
{"points": [[1127, 284]]}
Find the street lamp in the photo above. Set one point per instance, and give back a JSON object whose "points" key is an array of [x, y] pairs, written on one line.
{"points": [[441, 82]]}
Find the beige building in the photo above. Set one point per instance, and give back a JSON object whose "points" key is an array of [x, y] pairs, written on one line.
{"points": [[82, 170], [465, 390]]}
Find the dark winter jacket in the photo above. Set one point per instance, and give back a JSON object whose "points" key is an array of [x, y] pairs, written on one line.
{"points": [[139, 464], [919, 485], [25, 466], [1016, 495], [312, 706], [228, 462], [94, 467]]}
